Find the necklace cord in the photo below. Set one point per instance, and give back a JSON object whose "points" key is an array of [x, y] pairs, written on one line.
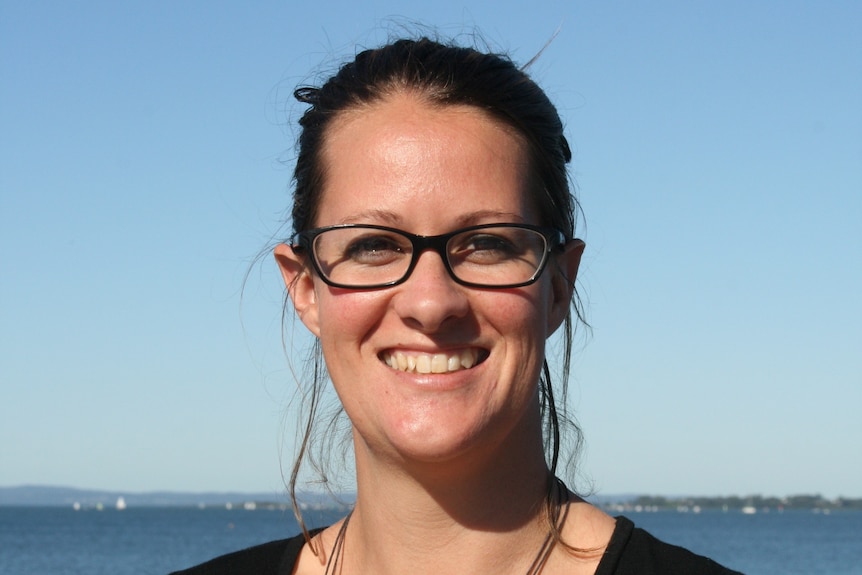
{"points": [[337, 547], [559, 511], [557, 520]]}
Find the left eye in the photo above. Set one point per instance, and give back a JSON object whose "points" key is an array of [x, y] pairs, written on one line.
{"points": [[489, 242], [485, 247]]}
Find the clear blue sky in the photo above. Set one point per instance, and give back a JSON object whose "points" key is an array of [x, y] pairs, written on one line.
{"points": [[145, 155]]}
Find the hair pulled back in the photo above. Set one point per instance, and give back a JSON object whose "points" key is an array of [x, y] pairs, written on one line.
{"points": [[442, 75]]}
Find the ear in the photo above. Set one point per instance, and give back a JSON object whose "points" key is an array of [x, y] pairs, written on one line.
{"points": [[565, 267], [296, 272]]}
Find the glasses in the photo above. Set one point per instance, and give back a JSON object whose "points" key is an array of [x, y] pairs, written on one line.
{"points": [[357, 256]]}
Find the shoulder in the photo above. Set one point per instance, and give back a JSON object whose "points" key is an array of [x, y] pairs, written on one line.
{"points": [[273, 558], [633, 551]]}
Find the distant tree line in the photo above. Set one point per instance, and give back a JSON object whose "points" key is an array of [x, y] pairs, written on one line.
{"points": [[757, 501]]}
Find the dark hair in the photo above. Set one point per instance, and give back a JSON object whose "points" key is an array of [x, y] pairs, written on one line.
{"points": [[443, 75]]}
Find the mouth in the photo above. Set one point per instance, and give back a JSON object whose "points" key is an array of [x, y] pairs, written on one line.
{"points": [[413, 362]]}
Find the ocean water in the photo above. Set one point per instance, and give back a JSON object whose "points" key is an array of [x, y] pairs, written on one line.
{"points": [[788, 543], [151, 540]]}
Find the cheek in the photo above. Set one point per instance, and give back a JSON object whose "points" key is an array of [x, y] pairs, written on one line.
{"points": [[348, 316], [521, 312], [522, 321]]}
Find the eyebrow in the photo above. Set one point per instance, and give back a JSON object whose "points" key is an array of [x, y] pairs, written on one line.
{"points": [[383, 216], [386, 217]]}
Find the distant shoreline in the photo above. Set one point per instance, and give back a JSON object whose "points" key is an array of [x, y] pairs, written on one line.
{"points": [[746, 504], [51, 496]]}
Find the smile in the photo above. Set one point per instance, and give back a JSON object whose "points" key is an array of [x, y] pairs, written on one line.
{"points": [[431, 363]]}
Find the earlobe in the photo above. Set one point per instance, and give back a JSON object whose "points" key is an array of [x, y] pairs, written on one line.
{"points": [[300, 285], [566, 272]]}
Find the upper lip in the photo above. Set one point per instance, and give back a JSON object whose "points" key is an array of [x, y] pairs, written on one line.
{"points": [[432, 348]]}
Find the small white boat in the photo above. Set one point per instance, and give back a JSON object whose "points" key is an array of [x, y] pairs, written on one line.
{"points": [[121, 503]]}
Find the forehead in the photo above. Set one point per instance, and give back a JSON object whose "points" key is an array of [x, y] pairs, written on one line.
{"points": [[403, 151]]}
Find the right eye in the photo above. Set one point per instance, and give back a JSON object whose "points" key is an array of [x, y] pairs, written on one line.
{"points": [[374, 249]]}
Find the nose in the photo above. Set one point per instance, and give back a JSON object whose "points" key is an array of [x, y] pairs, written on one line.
{"points": [[430, 297]]}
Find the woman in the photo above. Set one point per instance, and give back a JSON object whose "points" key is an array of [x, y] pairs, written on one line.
{"points": [[433, 256]]}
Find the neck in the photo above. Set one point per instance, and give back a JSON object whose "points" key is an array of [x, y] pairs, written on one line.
{"points": [[479, 515]]}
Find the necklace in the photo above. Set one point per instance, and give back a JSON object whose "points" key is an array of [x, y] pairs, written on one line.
{"points": [[559, 512]]}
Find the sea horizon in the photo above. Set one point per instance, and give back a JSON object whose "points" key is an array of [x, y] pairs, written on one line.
{"points": [[83, 498]]}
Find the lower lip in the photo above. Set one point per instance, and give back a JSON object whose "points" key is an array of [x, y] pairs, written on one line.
{"points": [[447, 381]]}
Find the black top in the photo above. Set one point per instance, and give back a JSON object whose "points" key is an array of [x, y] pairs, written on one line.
{"points": [[631, 551]]}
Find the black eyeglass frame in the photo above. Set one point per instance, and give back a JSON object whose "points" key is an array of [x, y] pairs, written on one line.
{"points": [[304, 242]]}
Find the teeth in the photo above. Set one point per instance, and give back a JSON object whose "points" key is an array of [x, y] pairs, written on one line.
{"points": [[439, 363], [423, 364], [428, 363], [453, 363]]}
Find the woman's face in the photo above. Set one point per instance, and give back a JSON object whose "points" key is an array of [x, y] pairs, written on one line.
{"points": [[429, 170]]}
